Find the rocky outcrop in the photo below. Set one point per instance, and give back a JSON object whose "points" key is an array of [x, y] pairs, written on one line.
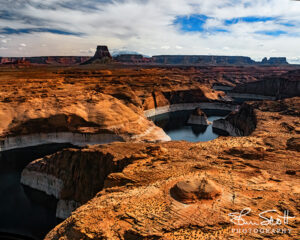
{"points": [[198, 117], [102, 55], [238, 123]]}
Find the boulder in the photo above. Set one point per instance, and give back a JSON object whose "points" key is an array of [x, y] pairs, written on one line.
{"points": [[193, 190]]}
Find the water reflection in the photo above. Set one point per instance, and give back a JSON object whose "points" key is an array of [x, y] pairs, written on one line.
{"points": [[24, 211], [176, 126]]}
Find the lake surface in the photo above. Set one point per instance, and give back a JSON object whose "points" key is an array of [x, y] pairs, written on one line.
{"points": [[24, 211], [176, 126]]}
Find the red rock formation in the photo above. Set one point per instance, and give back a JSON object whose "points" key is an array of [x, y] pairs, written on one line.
{"points": [[102, 55]]}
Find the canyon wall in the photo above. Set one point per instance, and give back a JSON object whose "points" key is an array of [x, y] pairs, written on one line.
{"points": [[286, 85]]}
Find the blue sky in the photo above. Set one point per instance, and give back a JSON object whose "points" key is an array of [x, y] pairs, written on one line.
{"points": [[255, 28]]}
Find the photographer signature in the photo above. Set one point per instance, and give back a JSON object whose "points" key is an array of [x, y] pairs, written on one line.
{"points": [[238, 218]]}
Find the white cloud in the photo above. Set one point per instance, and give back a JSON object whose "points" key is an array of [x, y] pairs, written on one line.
{"points": [[87, 51], [23, 45], [147, 27]]}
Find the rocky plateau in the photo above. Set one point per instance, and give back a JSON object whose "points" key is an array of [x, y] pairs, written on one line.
{"points": [[127, 180]]}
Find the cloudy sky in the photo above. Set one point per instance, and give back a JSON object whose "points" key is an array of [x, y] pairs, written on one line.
{"points": [[254, 28]]}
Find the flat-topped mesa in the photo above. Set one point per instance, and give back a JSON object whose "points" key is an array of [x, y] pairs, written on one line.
{"points": [[274, 61], [203, 60], [102, 55], [198, 117]]}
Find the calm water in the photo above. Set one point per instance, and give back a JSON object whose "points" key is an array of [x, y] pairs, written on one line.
{"points": [[24, 211], [175, 125]]}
